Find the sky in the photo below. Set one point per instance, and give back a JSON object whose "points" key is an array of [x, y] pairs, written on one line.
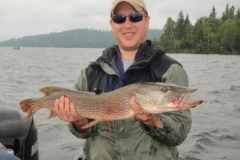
{"points": [[19, 18]]}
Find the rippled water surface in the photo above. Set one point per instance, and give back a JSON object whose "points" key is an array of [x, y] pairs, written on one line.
{"points": [[215, 133]]}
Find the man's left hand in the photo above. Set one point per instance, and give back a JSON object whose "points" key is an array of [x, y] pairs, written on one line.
{"points": [[142, 115]]}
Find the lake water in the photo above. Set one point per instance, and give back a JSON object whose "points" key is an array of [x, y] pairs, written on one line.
{"points": [[215, 133]]}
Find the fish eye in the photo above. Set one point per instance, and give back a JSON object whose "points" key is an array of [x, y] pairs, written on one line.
{"points": [[164, 89]]}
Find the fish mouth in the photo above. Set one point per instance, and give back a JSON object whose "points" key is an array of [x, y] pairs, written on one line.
{"points": [[188, 103], [191, 103], [185, 101]]}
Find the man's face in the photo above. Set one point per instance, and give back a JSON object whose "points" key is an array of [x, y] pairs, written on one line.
{"points": [[129, 34]]}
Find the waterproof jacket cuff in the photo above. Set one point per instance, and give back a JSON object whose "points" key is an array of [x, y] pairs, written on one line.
{"points": [[149, 130], [82, 135]]}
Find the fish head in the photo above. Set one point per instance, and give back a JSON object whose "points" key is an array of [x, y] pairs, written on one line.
{"points": [[158, 99]]}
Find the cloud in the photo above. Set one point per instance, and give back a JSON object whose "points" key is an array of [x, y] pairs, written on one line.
{"points": [[34, 17]]}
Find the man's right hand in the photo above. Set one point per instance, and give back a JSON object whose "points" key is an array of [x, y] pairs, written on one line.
{"points": [[66, 111]]}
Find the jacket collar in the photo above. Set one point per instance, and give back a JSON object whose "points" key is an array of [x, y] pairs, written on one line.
{"points": [[149, 51]]}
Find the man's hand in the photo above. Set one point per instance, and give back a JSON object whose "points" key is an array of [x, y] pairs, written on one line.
{"points": [[145, 117], [142, 115], [65, 110]]}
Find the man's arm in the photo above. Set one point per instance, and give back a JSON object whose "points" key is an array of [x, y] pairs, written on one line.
{"points": [[177, 124]]}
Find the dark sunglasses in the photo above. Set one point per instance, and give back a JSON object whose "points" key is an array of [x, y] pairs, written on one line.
{"points": [[133, 17]]}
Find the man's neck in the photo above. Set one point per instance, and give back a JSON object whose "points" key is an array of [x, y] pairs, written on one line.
{"points": [[128, 54]]}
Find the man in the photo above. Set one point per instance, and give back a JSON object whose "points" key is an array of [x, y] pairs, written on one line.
{"points": [[133, 60]]}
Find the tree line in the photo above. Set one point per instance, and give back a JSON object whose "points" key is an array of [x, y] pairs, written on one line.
{"points": [[208, 35], [77, 38]]}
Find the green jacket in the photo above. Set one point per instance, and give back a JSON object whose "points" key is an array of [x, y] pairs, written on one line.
{"points": [[130, 139]]}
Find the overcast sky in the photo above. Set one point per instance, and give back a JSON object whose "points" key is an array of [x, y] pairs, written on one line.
{"points": [[20, 18]]}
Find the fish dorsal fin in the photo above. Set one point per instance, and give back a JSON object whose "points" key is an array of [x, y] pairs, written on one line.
{"points": [[49, 89]]}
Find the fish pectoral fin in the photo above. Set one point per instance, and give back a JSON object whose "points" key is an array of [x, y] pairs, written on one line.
{"points": [[92, 123], [157, 122], [52, 115]]}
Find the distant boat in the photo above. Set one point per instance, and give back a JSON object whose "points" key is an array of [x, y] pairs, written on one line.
{"points": [[16, 48]]}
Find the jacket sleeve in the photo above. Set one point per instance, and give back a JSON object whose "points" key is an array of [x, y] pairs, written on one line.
{"points": [[177, 124], [80, 85]]}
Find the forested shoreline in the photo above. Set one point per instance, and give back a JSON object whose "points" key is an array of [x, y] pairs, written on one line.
{"points": [[77, 38], [208, 35]]}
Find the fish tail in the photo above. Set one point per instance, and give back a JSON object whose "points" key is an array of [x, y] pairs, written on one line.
{"points": [[25, 105]]}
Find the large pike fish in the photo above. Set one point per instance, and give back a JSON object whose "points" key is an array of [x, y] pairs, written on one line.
{"points": [[155, 98]]}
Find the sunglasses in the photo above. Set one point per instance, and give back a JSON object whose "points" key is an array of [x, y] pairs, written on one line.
{"points": [[133, 17]]}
